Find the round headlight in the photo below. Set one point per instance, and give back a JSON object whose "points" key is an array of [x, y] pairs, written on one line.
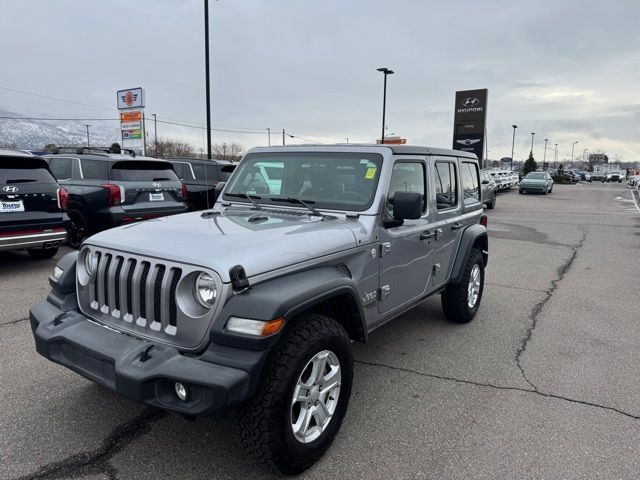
{"points": [[91, 262], [205, 290]]}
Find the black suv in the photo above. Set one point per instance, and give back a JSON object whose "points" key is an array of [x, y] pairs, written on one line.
{"points": [[31, 205], [107, 189], [201, 178]]}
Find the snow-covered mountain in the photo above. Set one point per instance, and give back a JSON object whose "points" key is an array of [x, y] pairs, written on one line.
{"points": [[35, 134]]}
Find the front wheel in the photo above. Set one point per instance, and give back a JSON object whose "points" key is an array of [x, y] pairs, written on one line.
{"points": [[460, 301], [302, 396]]}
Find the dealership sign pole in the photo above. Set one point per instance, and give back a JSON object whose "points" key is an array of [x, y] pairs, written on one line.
{"points": [[131, 107], [469, 125]]}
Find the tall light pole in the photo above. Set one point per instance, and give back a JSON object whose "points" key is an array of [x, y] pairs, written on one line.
{"points": [[385, 71], [155, 133], [207, 75], [544, 160], [532, 135], [88, 144], [555, 156], [269, 135], [513, 144], [573, 145]]}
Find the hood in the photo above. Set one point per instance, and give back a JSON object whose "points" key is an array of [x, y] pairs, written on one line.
{"points": [[260, 241]]}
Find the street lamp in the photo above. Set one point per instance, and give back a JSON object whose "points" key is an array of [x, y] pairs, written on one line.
{"points": [[573, 145], [555, 156], [532, 135], [544, 159], [269, 136], [155, 134], [88, 144], [513, 143], [385, 71], [207, 76]]}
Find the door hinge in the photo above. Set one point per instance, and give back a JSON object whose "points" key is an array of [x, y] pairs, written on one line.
{"points": [[385, 249], [384, 292]]}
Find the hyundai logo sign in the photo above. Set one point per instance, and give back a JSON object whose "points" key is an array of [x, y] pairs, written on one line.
{"points": [[470, 102], [10, 189]]}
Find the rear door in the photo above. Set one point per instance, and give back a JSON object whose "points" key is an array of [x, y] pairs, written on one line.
{"points": [[447, 201], [28, 195], [147, 185]]}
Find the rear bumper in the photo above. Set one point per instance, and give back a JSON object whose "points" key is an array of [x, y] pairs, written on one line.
{"points": [[533, 189], [33, 239], [118, 362], [116, 216]]}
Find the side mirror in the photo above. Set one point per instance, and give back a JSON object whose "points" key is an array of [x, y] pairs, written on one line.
{"points": [[407, 206]]}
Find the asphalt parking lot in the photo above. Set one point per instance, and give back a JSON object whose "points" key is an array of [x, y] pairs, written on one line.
{"points": [[542, 384]]}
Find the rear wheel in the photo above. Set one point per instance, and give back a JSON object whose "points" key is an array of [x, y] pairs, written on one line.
{"points": [[460, 301], [78, 228], [42, 253], [302, 396]]}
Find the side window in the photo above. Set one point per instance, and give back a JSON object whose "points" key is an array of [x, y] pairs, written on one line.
{"points": [[406, 177], [446, 185], [94, 169], [470, 190], [61, 168]]}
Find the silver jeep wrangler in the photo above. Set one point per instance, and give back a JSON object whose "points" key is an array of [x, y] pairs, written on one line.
{"points": [[253, 304]]}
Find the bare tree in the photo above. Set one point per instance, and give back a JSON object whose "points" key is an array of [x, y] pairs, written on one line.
{"points": [[228, 151], [168, 148]]}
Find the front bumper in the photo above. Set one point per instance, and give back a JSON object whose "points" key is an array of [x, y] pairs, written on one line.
{"points": [[35, 239], [138, 369]]}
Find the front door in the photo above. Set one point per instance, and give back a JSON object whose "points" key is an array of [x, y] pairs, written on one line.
{"points": [[406, 252]]}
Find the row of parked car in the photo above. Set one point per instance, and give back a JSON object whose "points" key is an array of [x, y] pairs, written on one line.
{"points": [[74, 193]]}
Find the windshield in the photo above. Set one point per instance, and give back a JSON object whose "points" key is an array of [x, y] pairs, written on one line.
{"points": [[335, 181], [535, 176]]}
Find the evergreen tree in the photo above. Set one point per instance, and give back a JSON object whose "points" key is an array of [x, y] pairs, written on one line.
{"points": [[530, 164]]}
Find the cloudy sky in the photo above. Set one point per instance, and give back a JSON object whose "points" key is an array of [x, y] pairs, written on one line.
{"points": [[567, 70]]}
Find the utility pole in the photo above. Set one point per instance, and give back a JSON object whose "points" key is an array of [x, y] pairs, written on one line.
{"points": [[544, 161], [269, 136], [555, 157], [513, 144], [155, 133], [283, 137], [88, 144], [207, 75], [532, 135], [573, 145]]}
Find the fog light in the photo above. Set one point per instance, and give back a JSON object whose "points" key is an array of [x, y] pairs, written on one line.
{"points": [[181, 391], [57, 273]]}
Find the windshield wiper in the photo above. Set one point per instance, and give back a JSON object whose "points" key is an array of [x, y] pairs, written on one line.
{"points": [[305, 203], [20, 180], [251, 198]]}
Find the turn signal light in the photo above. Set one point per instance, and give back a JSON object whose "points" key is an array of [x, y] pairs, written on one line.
{"points": [[184, 192], [115, 193], [63, 199], [272, 326], [483, 220]]}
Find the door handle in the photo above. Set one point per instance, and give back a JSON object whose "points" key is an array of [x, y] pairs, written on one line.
{"points": [[456, 226], [427, 235]]}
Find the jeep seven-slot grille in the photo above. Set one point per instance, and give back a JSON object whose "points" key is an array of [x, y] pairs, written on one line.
{"points": [[136, 291]]}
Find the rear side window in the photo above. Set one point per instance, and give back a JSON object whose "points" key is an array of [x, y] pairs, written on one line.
{"points": [[60, 167], [226, 171], [94, 169], [181, 170], [470, 187], [143, 171], [24, 170], [205, 172], [446, 189]]}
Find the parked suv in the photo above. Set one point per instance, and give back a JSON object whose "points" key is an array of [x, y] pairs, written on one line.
{"points": [[201, 178], [31, 205], [489, 189], [108, 189], [254, 303]]}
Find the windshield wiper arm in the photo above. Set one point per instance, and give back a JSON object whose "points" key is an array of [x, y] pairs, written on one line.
{"points": [[305, 203], [251, 198], [20, 180]]}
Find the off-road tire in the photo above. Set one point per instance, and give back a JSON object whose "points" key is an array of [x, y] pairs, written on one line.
{"points": [[78, 228], [454, 298], [264, 422], [42, 253]]}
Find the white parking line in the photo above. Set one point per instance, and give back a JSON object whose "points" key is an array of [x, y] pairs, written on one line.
{"points": [[635, 201]]}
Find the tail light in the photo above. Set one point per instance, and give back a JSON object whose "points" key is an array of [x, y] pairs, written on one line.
{"points": [[184, 191], [63, 199], [114, 192], [483, 220]]}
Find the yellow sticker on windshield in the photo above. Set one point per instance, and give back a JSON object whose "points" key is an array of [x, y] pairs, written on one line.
{"points": [[371, 173]]}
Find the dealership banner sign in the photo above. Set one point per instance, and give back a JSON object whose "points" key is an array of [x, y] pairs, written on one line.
{"points": [[131, 106], [469, 125]]}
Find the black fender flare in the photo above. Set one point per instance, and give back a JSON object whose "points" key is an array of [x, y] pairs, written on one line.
{"points": [[471, 235], [287, 296]]}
